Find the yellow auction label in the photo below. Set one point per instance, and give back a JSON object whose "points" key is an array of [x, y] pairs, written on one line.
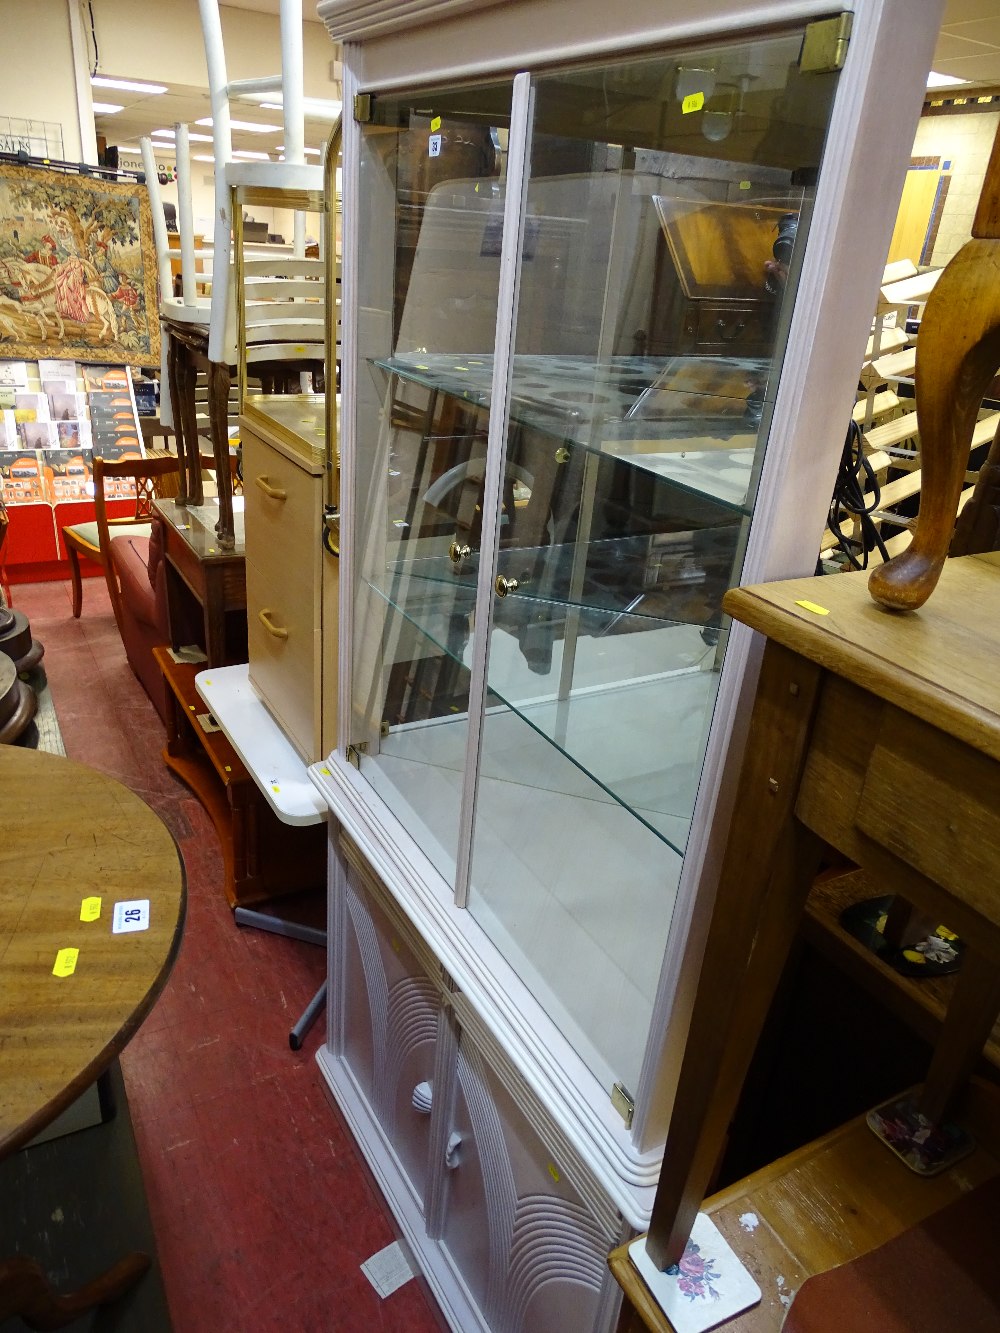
{"points": [[90, 909], [65, 964], [814, 607], [435, 124], [693, 102], [554, 1172]]}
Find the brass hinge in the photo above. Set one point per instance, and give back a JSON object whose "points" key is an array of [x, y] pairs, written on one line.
{"points": [[824, 47], [354, 753], [363, 103], [624, 1103]]}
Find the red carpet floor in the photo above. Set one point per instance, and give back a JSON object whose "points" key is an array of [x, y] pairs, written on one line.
{"points": [[262, 1209]]}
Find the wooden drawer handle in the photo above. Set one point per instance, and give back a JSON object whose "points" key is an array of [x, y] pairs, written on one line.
{"points": [[265, 619], [272, 492]]}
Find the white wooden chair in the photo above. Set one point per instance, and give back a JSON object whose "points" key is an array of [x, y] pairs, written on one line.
{"points": [[186, 321], [207, 326]]}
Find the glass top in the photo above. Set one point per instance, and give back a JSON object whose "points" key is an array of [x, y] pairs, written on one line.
{"points": [[302, 415], [195, 525]]}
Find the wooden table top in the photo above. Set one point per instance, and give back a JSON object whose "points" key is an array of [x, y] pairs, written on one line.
{"points": [[938, 663], [69, 833]]}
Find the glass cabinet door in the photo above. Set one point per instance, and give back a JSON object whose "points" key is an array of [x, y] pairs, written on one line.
{"points": [[665, 208], [431, 214]]}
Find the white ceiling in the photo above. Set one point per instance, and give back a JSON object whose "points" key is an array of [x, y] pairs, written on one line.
{"points": [[186, 104], [969, 43], [968, 47]]}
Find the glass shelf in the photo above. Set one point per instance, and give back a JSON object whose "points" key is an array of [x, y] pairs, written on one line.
{"points": [[630, 673], [680, 577], [674, 417]]}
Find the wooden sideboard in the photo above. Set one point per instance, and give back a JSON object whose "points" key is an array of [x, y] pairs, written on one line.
{"points": [[877, 734], [204, 576]]}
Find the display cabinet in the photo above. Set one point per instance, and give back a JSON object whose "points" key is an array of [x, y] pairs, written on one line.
{"points": [[288, 435], [605, 295]]}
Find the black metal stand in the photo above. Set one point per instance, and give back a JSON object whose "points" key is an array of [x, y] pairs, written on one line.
{"points": [[275, 925]]}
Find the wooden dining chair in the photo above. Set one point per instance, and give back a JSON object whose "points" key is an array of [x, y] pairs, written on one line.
{"points": [[148, 476], [82, 541]]}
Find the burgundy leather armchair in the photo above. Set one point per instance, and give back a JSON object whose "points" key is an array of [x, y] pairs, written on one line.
{"points": [[135, 569]]}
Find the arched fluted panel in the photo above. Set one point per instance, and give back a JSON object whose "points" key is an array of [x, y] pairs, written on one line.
{"points": [[413, 1009], [554, 1240], [377, 987], [498, 1176]]}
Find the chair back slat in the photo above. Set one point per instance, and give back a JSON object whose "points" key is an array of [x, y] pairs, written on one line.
{"points": [[285, 267], [148, 475]]}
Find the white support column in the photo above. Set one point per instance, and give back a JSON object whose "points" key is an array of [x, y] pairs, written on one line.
{"points": [[292, 80], [291, 101], [222, 137], [81, 76]]}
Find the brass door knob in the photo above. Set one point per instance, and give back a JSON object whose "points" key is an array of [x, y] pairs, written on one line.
{"points": [[457, 552], [503, 586]]}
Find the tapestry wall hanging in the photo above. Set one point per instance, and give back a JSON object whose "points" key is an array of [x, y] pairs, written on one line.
{"points": [[77, 268]]}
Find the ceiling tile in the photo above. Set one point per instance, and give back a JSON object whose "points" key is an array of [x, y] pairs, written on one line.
{"points": [[965, 11], [950, 48], [982, 69], [985, 29]]}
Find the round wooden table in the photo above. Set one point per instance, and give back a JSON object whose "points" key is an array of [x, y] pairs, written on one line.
{"points": [[73, 843]]}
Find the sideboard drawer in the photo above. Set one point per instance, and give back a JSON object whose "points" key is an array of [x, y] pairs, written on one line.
{"points": [[285, 640], [935, 803], [283, 511]]}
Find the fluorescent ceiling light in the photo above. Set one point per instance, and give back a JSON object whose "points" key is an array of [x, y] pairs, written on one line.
{"points": [[172, 134], [309, 152], [935, 80], [107, 108], [202, 157], [127, 85], [250, 126], [248, 152], [317, 107]]}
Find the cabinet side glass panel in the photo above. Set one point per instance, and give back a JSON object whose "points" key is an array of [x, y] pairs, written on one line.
{"points": [[283, 316], [431, 213], [667, 204]]}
